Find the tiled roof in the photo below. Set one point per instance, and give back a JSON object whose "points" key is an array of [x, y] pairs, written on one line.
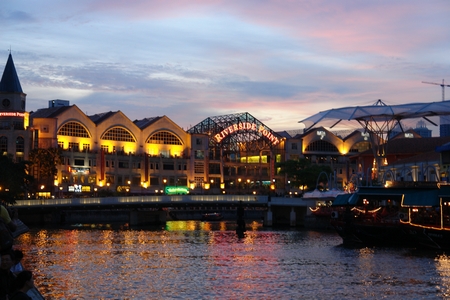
{"points": [[430, 156], [98, 118], [143, 123], [415, 145], [48, 112], [10, 81]]}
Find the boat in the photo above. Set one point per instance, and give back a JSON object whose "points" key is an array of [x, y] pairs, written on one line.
{"points": [[324, 200], [371, 217], [427, 220], [212, 216]]}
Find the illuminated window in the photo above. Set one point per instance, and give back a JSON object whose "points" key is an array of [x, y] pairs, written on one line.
{"points": [[74, 146], [199, 167], [360, 147], [3, 145], [20, 144], [104, 148], [73, 129], [86, 147], [164, 137], [321, 146], [118, 134], [61, 145]]}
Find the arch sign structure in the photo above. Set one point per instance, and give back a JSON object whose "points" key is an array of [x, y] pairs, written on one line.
{"points": [[236, 129]]}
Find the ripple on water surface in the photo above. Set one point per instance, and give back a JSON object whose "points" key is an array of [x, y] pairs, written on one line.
{"points": [[201, 260]]}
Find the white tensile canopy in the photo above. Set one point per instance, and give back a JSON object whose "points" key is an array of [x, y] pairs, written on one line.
{"points": [[379, 113], [378, 119]]}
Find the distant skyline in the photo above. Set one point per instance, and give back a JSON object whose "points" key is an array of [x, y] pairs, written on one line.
{"points": [[280, 61]]}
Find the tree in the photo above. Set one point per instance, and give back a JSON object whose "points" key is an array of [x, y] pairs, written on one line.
{"points": [[14, 179], [44, 164], [302, 172]]}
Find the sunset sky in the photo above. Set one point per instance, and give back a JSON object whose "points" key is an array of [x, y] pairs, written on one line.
{"points": [[280, 61]]}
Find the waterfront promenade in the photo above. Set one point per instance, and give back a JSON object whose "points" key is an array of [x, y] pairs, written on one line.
{"points": [[165, 201]]}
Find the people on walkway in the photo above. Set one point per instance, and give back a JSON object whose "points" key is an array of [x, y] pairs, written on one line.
{"points": [[6, 276], [21, 285], [6, 218], [17, 266]]}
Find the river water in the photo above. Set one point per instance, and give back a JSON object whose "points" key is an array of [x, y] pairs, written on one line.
{"points": [[206, 260]]}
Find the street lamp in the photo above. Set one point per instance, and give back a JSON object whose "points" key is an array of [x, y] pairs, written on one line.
{"points": [[239, 185]]}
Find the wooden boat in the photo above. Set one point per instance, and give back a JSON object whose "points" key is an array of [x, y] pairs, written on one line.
{"points": [[372, 217], [324, 200], [427, 220]]}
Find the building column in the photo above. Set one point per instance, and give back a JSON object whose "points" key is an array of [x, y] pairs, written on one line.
{"points": [[293, 217], [268, 219]]}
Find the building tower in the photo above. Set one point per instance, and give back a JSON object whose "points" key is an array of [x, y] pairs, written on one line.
{"points": [[15, 137]]}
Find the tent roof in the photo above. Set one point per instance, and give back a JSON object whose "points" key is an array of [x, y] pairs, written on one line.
{"points": [[379, 112]]}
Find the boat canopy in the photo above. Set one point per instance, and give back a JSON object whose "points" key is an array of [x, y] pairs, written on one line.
{"points": [[342, 200], [423, 198]]}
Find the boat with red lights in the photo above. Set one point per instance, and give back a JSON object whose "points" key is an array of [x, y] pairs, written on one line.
{"points": [[427, 220], [372, 216]]}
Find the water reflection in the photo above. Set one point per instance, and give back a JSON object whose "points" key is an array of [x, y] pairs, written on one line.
{"points": [[190, 259]]}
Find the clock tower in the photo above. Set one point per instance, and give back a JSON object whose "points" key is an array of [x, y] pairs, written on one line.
{"points": [[16, 138], [12, 99]]}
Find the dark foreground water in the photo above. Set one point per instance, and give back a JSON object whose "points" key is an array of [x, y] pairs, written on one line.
{"points": [[197, 260]]}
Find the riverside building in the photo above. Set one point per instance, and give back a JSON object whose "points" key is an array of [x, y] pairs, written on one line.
{"points": [[107, 151]]}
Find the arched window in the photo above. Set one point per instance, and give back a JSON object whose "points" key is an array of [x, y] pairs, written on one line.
{"points": [[74, 129], [20, 144], [360, 147], [321, 146], [118, 134], [3, 145], [164, 137]]}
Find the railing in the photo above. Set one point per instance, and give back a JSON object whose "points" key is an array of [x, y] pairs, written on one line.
{"points": [[164, 200]]}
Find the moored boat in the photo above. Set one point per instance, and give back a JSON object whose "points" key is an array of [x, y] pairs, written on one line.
{"points": [[427, 220], [212, 216], [372, 217]]}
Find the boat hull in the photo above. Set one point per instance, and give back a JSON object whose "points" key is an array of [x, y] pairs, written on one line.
{"points": [[361, 234], [427, 237]]}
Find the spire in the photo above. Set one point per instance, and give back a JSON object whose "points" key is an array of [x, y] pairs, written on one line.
{"points": [[10, 81]]}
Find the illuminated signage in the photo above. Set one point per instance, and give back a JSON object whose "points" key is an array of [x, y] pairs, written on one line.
{"points": [[78, 188], [11, 114], [176, 190], [246, 126], [321, 133], [82, 170]]}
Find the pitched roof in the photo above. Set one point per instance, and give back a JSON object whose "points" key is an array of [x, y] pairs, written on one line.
{"points": [[98, 118], [51, 112], [10, 81], [146, 122]]}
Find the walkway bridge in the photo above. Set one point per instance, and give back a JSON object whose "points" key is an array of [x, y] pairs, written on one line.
{"points": [[154, 209]]}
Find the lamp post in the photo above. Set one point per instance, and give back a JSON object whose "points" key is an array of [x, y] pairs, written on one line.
{"points": [[165, 182], [239, 185]]}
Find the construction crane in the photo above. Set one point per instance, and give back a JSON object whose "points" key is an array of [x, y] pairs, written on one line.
{"points": [[443, 85]]}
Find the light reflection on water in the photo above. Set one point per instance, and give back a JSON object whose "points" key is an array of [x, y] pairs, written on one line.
{"points": [[206, 260]]}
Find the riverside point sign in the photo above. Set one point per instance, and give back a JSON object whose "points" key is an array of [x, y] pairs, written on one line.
{"points": [[249, 127]]}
